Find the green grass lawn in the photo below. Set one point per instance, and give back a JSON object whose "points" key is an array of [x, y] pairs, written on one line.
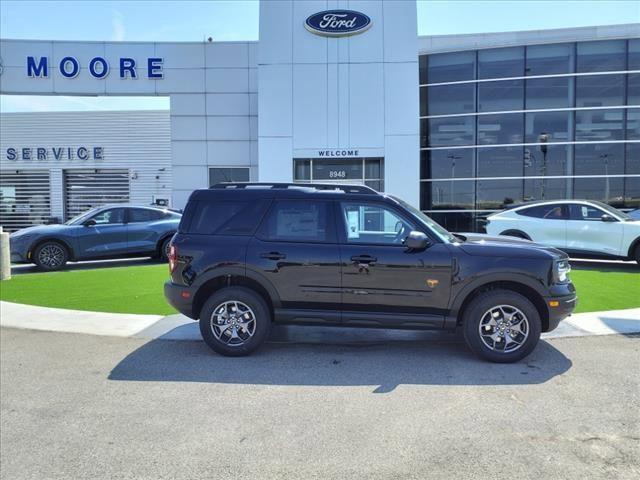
{"points": [[138, 289]]}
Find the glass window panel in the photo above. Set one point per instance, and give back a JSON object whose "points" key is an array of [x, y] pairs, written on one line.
{"points": [[447, 99], [633, 89], [225, 175], [448, 67], [501, 62], [556, 162], [633, 124], [454, 163], [550, 59], [350, 169], [447, 195], [448, 131], [545, 189], [454, 221], [500, 129], [632, 164], [374, 224], [500, 162], [377, 185], [601, 56], [499, 96], [497, 194], [599, 90], [554, 124], [372, 168], [302, 170], [632, 192], [634, 54], [595, 125], [551, 92], [422, 69], [605, 189], [599, 159], [296, 220]]}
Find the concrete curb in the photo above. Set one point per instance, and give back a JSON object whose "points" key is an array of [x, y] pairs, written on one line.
{"points": [[179, 327]]}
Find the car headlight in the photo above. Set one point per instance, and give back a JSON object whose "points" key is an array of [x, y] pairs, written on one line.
{"points": [[561, 271]]}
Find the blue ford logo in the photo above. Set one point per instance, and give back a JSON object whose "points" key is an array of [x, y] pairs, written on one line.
{"points": [[337, 23]]}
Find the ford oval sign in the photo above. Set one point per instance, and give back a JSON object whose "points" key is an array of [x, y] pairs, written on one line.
{"points": [[337, 23]]}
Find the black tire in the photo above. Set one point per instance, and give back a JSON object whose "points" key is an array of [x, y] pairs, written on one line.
{"points": [[50, 256], [164, 249], [516, 234], [495, 300], [261, 325], [636, 254]]}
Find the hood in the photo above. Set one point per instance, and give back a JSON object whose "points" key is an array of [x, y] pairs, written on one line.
{"points": [[38, 230], [504, 246]]}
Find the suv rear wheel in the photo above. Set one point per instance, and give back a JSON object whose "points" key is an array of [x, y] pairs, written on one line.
{"points": [[501, 326], [235, 321]]}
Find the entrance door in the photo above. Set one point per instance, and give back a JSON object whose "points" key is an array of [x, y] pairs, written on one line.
{"points": [[380, 276], [342, 170]]}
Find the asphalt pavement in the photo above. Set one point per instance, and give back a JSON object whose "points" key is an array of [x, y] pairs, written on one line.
{"points": [[82, 406]]}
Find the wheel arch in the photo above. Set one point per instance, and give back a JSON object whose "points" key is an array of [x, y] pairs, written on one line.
{"points": [[632, 248], [162, 239], [514, 232]]}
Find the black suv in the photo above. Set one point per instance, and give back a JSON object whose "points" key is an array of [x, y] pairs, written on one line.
{"points": [[249, 255]]}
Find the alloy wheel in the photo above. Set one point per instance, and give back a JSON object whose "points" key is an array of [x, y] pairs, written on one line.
{"points": [[51, 255], [504, 328], [233, 323]]}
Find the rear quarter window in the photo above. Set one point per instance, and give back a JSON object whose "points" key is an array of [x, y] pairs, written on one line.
{"points": [[227, 217]]}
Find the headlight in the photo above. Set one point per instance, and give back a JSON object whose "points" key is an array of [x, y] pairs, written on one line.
{"points": [[561, 271]]}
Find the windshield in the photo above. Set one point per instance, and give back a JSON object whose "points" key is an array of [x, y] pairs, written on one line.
{"points": [[441, 232], [80, 218], [613, 210]]}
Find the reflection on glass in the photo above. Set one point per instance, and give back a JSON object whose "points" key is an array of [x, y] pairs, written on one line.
{"points": [[599, 90], [500, 96], [632, 192], [302, 170], [500, 129], [447, 99], [447, 67], [601, 56], [496, 194], [447, 163], [555, 161], [548, 92], [608, 190], [554, 124], [633, 124], [595, 125], [633, 89], [444, 132], [447, 195], [549, 59], [634, 54], [545, 189], [599, 159], [632, 164], [501, 62], [500, 162]]}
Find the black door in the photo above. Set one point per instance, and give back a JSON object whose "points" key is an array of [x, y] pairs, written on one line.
{"points": [[296, 250], [383, 282]]}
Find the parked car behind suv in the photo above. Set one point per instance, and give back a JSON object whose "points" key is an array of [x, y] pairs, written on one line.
{"points": [[110, 231], [249, 255], [582, 228]]}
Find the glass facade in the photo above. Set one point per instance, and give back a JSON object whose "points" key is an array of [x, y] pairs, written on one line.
{"points": [[502, 126]]}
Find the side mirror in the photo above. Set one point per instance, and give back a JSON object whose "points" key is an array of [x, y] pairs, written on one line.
{"points": [[607, 218], [89, 223], [417, 241]]}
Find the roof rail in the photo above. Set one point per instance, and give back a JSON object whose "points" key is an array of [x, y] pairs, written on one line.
{"points": [[315, 186]]}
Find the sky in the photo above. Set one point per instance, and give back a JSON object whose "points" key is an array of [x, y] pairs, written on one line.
{"points": [[238, 20]]}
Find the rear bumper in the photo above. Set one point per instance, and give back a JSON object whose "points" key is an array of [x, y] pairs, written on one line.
{"points": [[180, 298]]}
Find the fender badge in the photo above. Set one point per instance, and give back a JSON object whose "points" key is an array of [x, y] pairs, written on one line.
{"points": [[432, 283]]}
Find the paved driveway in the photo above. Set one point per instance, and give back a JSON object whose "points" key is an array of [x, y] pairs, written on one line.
{"points": [[80, 406]]}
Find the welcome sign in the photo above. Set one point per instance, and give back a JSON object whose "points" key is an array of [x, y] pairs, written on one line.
{"points": [[337, 23]]}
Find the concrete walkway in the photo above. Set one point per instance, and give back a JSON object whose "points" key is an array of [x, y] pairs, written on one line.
{"points": [[179, 327]]}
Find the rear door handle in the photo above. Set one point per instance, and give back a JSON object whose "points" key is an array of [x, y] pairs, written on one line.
{"points": [[273, 256], [363, 259]]}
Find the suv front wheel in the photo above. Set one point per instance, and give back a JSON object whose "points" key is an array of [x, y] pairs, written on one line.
{"points": [[501, 326], [235, 321]]}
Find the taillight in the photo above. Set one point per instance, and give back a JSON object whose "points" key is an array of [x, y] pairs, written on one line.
{"points": [[173, 258]]}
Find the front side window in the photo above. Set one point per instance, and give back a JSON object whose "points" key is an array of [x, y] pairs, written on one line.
{"points": [[586, 213], [298, 221], [111, 216], [374, 224]]}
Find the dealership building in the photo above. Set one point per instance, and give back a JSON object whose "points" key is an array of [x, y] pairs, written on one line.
{"points": [[333, 91]]}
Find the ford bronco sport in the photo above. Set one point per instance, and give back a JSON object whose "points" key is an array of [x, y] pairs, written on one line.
{"points": [[249, 255]]}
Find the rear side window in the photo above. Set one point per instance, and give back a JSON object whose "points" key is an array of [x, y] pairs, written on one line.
{"points": [[299, 221], [144, 215], [549, 212], [227, 218]]}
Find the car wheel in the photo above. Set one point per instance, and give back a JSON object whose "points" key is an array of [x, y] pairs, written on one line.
{"points": [[501, 326], [50, 256], [235, 321], [164, 249]]}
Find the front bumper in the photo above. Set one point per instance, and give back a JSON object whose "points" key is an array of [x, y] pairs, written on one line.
{"points": [[176, 296], [561, 304]]}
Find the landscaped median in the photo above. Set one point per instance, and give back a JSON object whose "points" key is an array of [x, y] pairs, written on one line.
{"points": [[139, 290]]}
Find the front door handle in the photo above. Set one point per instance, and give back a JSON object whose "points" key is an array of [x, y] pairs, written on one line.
{"points": [[364, 259], [273, 256]]}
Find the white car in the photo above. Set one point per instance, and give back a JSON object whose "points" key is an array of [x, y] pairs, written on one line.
{"points": [[582, 228]]}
